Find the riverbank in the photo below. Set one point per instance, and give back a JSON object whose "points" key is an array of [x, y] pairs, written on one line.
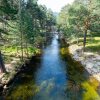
{"points": [[12, 71], [13, 68], [90, 60], [56, 74]]}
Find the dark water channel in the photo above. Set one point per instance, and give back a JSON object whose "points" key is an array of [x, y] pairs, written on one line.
{"points": [[51, 77]]}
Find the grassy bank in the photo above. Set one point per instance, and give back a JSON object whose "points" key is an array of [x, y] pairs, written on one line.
{"points": [[92, 43]]}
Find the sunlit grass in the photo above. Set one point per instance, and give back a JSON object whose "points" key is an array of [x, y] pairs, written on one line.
{"points": [[11, 52], [92, 43]]}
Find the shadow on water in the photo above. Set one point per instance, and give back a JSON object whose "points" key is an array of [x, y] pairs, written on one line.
{"points": [[53, 76]]}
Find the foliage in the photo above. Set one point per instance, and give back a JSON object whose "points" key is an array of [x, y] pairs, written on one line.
{"points": [[79, 18], [23, 27]]}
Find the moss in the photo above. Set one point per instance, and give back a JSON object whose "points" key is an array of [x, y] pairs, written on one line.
{"points": [[80, 78], [23, 92], [90, 93]]}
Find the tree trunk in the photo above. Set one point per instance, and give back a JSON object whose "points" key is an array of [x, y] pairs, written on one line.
{"points": [[27, 49], [21, 32], [77, 40], [84, 41], [22, 52], [2, 66]]}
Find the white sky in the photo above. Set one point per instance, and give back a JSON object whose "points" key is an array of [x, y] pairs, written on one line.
{"points": [[55, 5]]}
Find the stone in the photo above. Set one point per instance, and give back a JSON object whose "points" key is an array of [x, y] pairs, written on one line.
{"points": [[89, 60]]}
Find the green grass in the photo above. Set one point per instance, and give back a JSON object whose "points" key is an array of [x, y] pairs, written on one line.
{"points": [[92, 43], [11, 52]]}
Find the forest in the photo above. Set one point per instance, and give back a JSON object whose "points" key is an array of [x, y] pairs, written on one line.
{"points": [[27, 28], [81, 20], [24, 27]]}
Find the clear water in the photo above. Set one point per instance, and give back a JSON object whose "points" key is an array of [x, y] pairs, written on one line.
{"points": [[53, 78]]}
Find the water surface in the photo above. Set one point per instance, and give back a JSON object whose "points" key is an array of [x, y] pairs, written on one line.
{"points": [[51, 77]]}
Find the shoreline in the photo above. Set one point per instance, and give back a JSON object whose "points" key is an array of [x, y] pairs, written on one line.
{"points": [[7, 78], [89, 60], [6, 81]]}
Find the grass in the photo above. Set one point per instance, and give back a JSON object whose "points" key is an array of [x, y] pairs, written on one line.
{"points": [[11, 52], [92, 43]]}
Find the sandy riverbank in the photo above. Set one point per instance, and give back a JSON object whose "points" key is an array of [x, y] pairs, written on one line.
{"points": [[90, 61]]}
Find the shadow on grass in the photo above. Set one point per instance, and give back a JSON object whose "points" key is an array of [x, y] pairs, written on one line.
{"points": [[95, 48], [93, 41]]}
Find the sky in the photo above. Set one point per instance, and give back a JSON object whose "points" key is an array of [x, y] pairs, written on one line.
{"points": [[55, 5]]}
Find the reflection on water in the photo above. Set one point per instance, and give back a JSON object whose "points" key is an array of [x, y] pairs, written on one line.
{"points": [[54, 78]]}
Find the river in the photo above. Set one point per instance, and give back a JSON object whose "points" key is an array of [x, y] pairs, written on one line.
{"points": [[50, 77]]}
